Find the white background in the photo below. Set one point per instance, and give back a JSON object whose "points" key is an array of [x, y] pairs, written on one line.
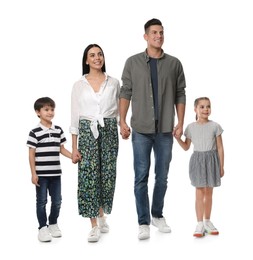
{"points": [[42, 44]]}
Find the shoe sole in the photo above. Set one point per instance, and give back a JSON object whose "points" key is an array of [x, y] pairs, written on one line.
{"points": [[56, 236], [104, 230], [199, 235], [213, 233], [143, 238], [48, 240], [93, 239]]}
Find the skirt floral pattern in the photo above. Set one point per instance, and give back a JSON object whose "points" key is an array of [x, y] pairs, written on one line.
{"points": [[97, 169]]}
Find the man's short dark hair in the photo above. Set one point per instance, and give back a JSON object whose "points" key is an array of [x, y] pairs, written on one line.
{"points": [[153, 21]]}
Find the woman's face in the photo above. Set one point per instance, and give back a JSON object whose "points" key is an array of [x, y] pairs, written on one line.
{"points": [[95, 58]]}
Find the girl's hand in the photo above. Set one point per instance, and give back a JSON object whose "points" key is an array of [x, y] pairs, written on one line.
{"points": [[177, 131]]}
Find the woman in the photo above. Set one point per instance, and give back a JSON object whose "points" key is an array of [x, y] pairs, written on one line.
{"points": [[94, 129]]}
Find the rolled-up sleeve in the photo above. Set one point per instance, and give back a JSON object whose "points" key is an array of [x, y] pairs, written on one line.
{"points": [[126, 89], [180, 93], [74, 128]]}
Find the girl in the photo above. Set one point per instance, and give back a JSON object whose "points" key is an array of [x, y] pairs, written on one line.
{"points": [[206, 165]]}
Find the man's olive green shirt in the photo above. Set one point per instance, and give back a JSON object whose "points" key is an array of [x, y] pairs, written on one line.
{"points": [[137, 88]]}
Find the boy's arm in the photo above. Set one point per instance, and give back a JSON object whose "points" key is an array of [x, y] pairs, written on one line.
{"points": [[35, 178], [65, 152]]}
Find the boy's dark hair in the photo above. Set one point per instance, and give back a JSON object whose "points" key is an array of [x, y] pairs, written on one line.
{"points": [[153, 21], [86, 67], [44, 101]]}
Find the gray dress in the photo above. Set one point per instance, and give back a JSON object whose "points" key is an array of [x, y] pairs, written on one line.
{"points": [[204, 165]]}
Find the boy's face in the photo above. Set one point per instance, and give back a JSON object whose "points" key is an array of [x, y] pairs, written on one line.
{"points": [[46, 114]]}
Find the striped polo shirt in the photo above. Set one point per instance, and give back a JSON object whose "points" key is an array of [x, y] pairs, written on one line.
{"points": [[47, 142]]}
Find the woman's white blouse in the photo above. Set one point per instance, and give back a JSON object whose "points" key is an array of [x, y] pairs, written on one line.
{"points": [[94, 106]]}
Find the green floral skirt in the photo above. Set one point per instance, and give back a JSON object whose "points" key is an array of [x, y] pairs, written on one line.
{"points": [[97, 169]]}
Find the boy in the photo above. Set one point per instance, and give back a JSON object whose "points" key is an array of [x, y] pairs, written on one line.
{"points": [[46, 142]]}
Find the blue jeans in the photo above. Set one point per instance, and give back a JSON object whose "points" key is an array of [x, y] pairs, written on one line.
{"points": [[142, 146], [51, 185]]}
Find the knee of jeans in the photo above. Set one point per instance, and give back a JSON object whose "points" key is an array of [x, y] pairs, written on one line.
{"points": [[57, 202], [41, 202]]}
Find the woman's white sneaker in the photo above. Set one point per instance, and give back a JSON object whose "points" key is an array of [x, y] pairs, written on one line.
{"points": [[103, 226], [94, 234]]}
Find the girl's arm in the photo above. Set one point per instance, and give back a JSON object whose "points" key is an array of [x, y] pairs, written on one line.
{"points": [[220, 153], [184, 144]]}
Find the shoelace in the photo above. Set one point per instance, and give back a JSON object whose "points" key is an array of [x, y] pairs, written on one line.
{"points": [[143, 229], [162, 222], [93, 232], [210, 225], [199, 228]]}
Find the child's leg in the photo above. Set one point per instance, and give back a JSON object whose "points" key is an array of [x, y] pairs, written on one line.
{"points": [[208, 202], [209, 227], [199, 207], [199, 203]]}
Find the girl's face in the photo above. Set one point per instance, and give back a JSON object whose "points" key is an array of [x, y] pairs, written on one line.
{"points": [[95, 58], [203, 109]]}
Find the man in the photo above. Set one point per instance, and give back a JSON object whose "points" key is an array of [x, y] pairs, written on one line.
{"points": [[155, 84]]}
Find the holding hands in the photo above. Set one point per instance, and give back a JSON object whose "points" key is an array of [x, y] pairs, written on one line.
{"points": [[76, 156], [125, 130]]}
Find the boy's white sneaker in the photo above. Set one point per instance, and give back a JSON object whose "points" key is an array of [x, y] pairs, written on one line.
{"points": [[44, 235], [161, 224], [54, 230]]}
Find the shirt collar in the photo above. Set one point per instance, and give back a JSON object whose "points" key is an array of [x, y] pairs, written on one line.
{"points": [[147, 57], [84, 77], [46, 128]]}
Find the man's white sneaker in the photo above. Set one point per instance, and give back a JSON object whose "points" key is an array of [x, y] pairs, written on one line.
{"points": [[210, 228], [44, 235], [200, 230], [54, 230], [144, 232], [94, 234], [161, 224], [103, 226]]}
